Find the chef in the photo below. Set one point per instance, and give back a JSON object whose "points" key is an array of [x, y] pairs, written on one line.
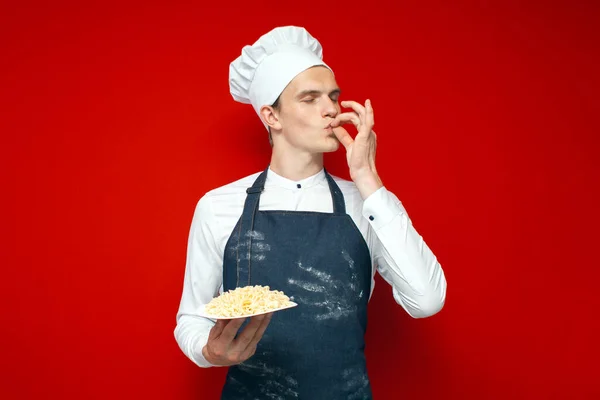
{"points": [[298, 229]]}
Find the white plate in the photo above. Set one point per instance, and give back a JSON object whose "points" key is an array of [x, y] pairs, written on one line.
{"points": [[202, 312]]}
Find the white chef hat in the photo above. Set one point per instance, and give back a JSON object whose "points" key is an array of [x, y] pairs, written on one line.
{"points": [[263, 70]]}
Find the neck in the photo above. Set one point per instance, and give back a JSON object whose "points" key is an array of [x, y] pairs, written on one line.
{"points": [[294, 165]]}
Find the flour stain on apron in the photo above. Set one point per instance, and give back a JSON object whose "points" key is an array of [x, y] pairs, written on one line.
{"points": [[356, 383], [271, 387], [337, 304], [308, 286], [259, 247]]}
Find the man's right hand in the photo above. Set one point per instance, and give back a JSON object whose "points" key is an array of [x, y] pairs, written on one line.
{"points": [[224, 349]]}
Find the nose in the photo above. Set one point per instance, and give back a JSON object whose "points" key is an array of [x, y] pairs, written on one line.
{"points": [[330, 108]]}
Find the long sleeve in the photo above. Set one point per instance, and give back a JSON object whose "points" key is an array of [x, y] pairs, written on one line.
{"points": [[202, 282], [402, 257]]}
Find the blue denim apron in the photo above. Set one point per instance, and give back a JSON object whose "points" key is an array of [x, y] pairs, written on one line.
{"points": [[315, 350]]}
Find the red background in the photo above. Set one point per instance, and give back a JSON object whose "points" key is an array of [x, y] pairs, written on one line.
{"points": [[116, 119]]}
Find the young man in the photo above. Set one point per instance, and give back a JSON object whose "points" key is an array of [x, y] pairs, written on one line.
{"points": [[295, 228]]}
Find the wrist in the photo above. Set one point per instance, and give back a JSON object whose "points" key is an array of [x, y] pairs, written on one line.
{"points": [[367, 183], [206, 355]]}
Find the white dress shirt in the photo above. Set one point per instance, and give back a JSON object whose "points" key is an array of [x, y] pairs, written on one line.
{"points": [[398, 252]]}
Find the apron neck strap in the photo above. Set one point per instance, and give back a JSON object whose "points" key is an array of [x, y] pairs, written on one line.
{"points": [[339, 206]]}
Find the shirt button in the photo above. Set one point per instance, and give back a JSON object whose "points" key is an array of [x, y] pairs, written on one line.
{"points": [[371, 217], [298, 186]]}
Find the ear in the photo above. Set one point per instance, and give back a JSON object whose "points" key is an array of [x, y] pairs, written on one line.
{"points": [[269, 115]]}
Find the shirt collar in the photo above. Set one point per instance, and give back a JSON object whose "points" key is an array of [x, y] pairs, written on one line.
{"points": [[279, 181]]}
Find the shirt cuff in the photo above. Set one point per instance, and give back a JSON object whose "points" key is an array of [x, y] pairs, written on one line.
{"points": [[197, 353], [380, 208]]}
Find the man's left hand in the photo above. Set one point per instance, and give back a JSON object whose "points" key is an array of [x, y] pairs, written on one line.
{"points": [[360, 151]]}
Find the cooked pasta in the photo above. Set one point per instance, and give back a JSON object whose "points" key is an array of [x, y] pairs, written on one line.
{"points": [[247, 300]]}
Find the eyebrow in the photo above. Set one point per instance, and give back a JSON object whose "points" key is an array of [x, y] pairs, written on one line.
{"points": [[317, 93]]}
